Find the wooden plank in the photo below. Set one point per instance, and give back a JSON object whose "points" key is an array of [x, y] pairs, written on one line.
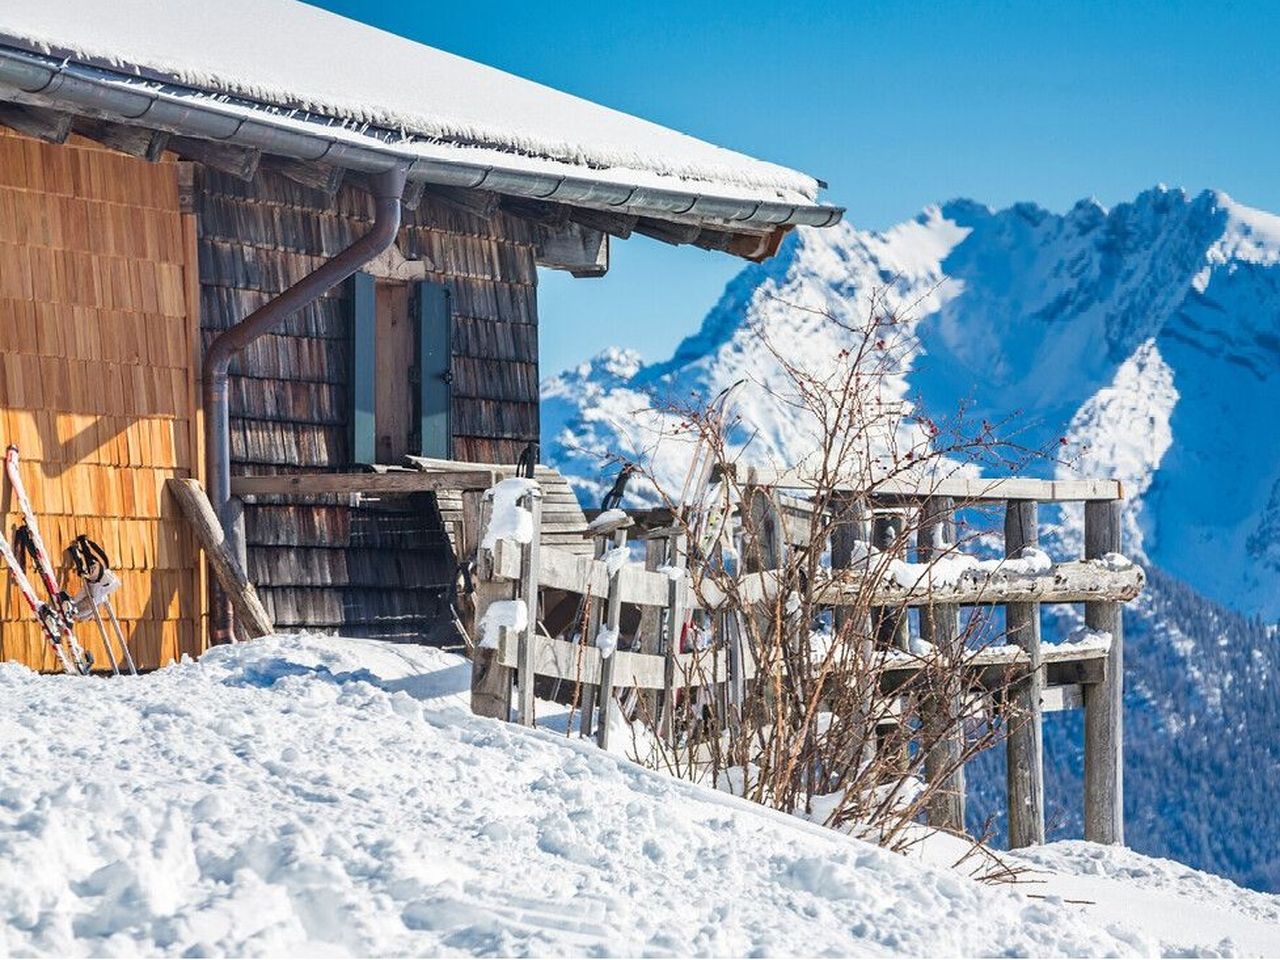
{"points": [[939, 625], [406, 481], [249, 611], [1073, 581], [393, 349], [532, 501], [962, 489], [1024, 747], [1104, 702], [1065, 696]]}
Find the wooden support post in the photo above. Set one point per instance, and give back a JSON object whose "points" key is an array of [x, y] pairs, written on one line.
{"points": [[529, 559], [591, 629], [612, 622], [672, 635], [852, 527], [941, 724], [1024, 746], [249, 611], [467, 543], [1104, 702], [490, 680], [891, 624]]}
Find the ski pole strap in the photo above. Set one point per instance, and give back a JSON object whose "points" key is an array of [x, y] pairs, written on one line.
{"points": [[88, 558], [528, 460]]}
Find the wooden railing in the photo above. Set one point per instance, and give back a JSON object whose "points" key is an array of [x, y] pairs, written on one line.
{"points": [[1049, 677]]}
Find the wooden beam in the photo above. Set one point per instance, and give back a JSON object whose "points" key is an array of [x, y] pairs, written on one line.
{"points": [[138, 142], [414, 190], [1024, 745], [52, 126], [963, 489], [250, 613], [1104, 702], [579, 250], [239, 162], [617, 225], [667, 231], [314, 174], [407, 481], [478, 203], [536, 211], [749, 246]]}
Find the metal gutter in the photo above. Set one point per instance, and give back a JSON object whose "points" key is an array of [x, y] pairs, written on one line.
{"points": [[81, 88]]}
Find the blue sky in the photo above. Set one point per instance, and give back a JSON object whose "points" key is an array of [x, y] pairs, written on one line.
{"points": [[895, 105]]}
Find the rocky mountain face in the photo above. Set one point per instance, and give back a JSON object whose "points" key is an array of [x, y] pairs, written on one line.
{"points": [[1147, 337]]}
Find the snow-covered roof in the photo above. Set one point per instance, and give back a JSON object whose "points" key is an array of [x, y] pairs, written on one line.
{"points": [[307, 65]]}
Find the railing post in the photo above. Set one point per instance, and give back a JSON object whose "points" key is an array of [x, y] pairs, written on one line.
{"points": [[942, 725], [672, 635], [1024, 746], [891, 625], [592, 628], [1104, 702], [612, 621], [490, 680], [529, 559], [853, 525]]}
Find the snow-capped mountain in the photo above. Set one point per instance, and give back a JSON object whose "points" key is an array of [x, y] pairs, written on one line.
{"points": [[1148, 337]]}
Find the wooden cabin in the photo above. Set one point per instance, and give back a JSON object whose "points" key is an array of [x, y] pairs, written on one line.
{"points": [[166, 174]]}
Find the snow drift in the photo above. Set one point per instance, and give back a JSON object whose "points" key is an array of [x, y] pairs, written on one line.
{"points": [[327, 797]]}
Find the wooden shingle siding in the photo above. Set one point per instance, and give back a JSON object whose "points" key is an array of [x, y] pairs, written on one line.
{"points": [[323, 563], [97, 383]]}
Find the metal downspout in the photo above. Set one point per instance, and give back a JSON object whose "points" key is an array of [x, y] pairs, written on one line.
{"points": [[387, 188]]}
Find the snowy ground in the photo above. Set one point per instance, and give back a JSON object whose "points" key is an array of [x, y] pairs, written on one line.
{"points": [[323, 797]]}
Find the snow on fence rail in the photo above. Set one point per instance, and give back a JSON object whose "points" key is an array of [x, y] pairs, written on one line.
{"points": [[1044, 676]]}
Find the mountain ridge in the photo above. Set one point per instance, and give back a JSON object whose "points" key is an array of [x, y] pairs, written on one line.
{"points": [[1145, 335]]}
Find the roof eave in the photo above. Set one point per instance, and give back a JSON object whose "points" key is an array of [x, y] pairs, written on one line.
{"points": [[85, 89]]}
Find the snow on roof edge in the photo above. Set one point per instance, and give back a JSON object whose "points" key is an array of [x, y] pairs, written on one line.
{"points": [[534, 122]]}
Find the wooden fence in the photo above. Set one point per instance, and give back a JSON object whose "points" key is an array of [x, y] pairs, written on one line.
{"points": [[1048, 677]]}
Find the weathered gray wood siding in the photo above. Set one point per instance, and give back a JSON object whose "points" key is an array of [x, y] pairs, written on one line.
{"points": [[324, 564]]}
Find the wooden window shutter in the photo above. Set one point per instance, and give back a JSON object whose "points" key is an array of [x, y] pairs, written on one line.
{"points": [[435, 369], [364, 431]]}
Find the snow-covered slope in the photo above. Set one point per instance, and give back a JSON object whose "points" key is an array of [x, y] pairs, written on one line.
{"points": [[1149, 334], [320, 796]]}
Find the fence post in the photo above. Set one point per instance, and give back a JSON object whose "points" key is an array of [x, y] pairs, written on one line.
{"points": [[672, 635], [891, 626], [1104, 702], [613, 618], [591, 629], [941, 723], [852, 526], [1024, 746], [529, 559], [490, 680]]}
